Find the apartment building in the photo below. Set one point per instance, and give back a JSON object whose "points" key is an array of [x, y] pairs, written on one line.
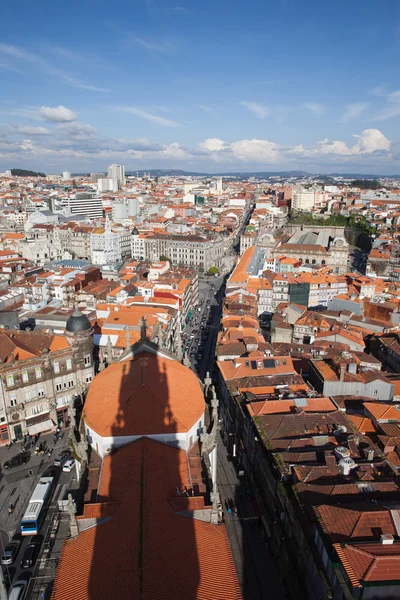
{"points": [[182, 250], [40, 374]]}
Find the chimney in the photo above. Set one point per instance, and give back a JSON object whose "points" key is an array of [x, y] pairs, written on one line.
{"points": [[387, 539], [342, 371]]}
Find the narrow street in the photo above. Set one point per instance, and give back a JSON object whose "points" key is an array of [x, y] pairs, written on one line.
{"points": [[255, 566]]}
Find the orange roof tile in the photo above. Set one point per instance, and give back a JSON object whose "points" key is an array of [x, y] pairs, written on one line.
{"points": [[143, 389]]}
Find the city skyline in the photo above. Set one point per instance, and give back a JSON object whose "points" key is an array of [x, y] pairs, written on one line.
{"points": [[289, 86]]}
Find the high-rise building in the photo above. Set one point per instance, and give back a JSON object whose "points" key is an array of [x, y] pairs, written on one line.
{"points": [[96, 176], [66, 176], [117, 172], [86, 204], [107, 185]]}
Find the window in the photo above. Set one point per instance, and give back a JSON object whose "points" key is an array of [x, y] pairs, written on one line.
{"points": [[28, 395], [38, 372], [40, 393], [56, 367], [25, 376], [13, 399], [10, 380], [277, 363], [88, 378], [68, 364], [58, 387], [71, 383], [87, 359]]}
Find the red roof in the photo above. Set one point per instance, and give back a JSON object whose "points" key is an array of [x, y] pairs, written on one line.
{"points": [[144, 547]]}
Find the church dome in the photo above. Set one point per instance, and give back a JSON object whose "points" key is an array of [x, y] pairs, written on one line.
{"points": [[77, 323], [147, 395]]}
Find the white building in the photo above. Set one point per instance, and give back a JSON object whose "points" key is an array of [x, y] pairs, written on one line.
{"points": [[108, 246], [84, 203], [303, 199], [107, 185], [66, 176], [117, 172]]}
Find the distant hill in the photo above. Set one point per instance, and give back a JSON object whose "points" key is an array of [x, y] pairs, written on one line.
{"points": [[257, 174], [239, 174], [26, 173]]}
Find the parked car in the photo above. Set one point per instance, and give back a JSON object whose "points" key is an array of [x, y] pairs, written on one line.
{"points": [[10, 552], [17, 460], [30, 554], [68, 466], [19, 589], [62, 459]]}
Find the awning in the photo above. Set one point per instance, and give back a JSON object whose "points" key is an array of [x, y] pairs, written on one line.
{"points": [[40, 427]]}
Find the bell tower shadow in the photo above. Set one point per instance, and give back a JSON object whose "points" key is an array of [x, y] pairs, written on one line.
{"points": [[151, 532], [144, 546]]}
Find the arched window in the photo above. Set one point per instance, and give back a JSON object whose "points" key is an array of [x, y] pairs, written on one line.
{"points": [[307, 261], [313, 261], [322, 262]]}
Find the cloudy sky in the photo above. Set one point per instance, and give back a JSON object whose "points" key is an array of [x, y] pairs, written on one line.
{"points": [[220, 85]]}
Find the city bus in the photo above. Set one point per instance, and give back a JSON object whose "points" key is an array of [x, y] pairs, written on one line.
{"points": [[37, 507]]}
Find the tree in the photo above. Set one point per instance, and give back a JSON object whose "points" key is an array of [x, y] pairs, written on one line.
{"points": [[367, 184], [164, 258], [213, 271]]}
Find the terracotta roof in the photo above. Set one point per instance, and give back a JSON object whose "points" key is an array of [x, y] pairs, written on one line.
{"points": [[145, 549], [356, 521], [370, 562], [146, 395]]}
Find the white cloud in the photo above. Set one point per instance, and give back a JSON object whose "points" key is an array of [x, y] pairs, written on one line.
{"points": [[17, 53], [31, 130], [77, 130], [254, 150], [331, 147], [143, 114], [258, 151], [213, 145], [82, 145], [206, 109], [378, 90], [392, 108], [371, 140], [315, 108], [353, 111], [259, 110], [57, 114]]}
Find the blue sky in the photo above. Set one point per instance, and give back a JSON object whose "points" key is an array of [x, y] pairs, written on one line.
{"points": [[206, 86]]}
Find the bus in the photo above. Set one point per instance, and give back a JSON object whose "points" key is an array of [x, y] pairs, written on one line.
{"points": [[37, 507]]}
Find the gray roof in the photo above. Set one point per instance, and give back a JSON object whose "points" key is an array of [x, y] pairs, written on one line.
{"points": [[77, 322]]}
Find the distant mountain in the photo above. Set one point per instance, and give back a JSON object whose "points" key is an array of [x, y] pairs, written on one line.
{"points": [[239, 174]]}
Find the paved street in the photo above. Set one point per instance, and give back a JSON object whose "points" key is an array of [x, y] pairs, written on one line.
{"points": [[201, 332], [255, 566], [16, 487]]}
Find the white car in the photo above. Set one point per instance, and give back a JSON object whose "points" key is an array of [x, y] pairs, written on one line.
{"points": [[69, 465]]}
